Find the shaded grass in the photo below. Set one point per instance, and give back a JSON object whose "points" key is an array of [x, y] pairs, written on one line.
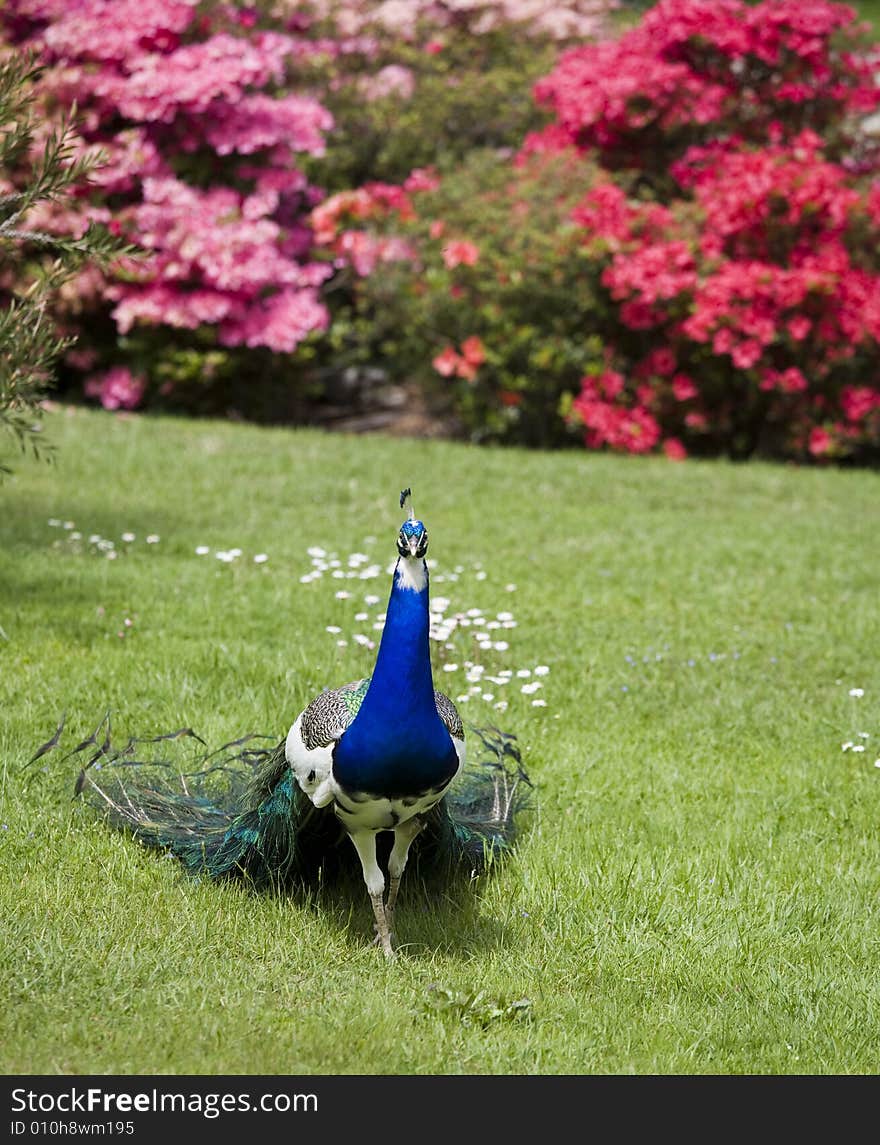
{"points": [[698, 887]]}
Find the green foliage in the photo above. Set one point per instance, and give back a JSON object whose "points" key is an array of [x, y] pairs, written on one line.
{"points": [[191, 373], [35, 264], [529, 298], [473, 1008], [474, 94]]}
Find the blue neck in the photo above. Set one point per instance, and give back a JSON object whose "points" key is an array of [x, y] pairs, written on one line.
{"points": [[397, 743]]}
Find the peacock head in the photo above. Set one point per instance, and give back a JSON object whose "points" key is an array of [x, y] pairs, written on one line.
{"points": [[412, 540]]}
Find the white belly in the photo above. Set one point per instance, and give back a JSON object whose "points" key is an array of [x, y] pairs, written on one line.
{"points": [[361, 812]]}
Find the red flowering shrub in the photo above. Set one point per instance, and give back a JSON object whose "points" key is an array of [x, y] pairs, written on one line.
{"points": [[699, 71], [743, 308]]}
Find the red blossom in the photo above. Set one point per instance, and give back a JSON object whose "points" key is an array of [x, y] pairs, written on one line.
{"points": [[683, 388], [609, 420], [790, 381], [674, 449], [460, 252], [473, 351], [857, 402], [446, 362], [821, 443], [700, 66]]}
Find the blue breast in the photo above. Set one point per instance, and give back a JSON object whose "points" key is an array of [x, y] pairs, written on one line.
{"points": [[397, 745]]}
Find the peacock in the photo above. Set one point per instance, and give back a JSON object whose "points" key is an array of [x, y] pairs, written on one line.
{"points": [[375, 763]]}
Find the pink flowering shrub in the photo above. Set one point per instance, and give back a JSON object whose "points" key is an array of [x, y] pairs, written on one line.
{"points": [[224, 124], [203, 142]]}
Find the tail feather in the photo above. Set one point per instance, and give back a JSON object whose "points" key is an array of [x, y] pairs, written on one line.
{"points": [[477, 823], [238, 811]]}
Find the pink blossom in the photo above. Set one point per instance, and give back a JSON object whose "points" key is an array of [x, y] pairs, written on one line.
{"points": [[364, 251], [256, 122], [392, 80], [661, 362], [563, 20], [117, 388], [692, 63], [799, 327], [196, 76], [116, 29], [422, 179], [857, 402], [154, 81], [654, 272], [449, 362], [790, 381], [746, 354], [83, 359], [622, 427], [280, 322]]}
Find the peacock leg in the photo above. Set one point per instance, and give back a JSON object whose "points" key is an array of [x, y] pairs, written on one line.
{"points": [[403, 837], [365, 845]]}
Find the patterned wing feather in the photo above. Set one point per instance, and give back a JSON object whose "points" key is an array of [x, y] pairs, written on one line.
{"points": [[310, 742], [330, 713], [448, 713]]}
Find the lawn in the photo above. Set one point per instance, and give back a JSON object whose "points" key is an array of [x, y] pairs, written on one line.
{"points": [[697, 888]]}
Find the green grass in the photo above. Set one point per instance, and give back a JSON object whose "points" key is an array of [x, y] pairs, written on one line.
{"points": [[869, 10], [697, 890]]}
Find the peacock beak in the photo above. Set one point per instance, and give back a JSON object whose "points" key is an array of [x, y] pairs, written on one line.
{"points": [[413, 543]]}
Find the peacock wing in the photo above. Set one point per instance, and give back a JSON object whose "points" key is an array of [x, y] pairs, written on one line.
{"points": [[315, 732], [448, 713]]}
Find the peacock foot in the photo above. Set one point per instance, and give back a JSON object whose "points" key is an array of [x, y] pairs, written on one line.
{"points": [[383, 930], [387, 947]]}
